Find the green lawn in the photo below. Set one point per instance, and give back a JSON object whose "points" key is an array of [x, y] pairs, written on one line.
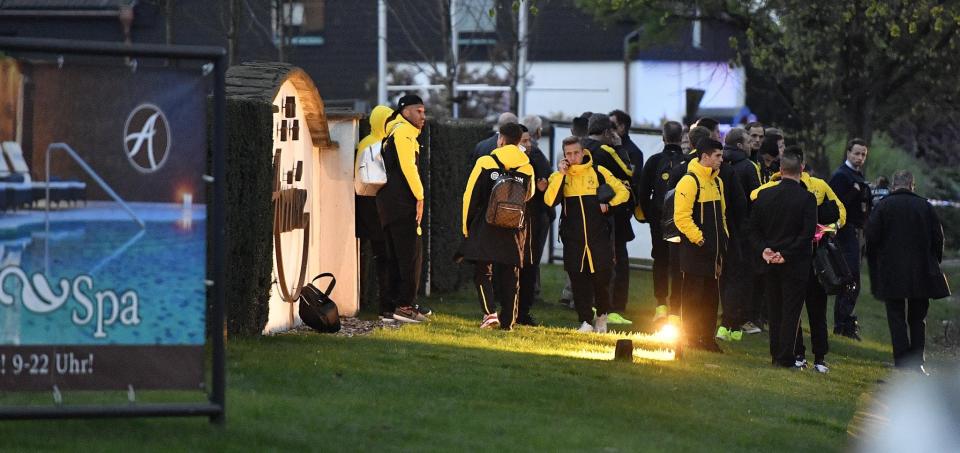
{"points": [[447, 386]]}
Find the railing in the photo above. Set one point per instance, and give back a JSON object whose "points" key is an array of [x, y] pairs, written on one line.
{"points": [[83, 164]]}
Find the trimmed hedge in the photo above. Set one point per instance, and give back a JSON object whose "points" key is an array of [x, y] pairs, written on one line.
{"points": [[451, 142], [249, 211]]}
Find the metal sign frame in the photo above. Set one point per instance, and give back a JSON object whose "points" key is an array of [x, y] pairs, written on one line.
{"points": [[215, 409]]}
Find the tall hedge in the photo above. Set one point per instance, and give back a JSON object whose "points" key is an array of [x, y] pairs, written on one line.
{"points": [[249, 211], [451, 142]]}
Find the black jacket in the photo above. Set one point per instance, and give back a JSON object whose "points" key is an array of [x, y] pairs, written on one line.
{"points": [[784, 219], [852, 189], [905, 248], [483, 148], [654, 180], [740, 178], [636, 159], [618, 163], [541, 170]]}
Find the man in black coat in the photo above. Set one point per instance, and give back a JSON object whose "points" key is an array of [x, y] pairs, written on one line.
{"points": [[539, 217], [783, 221], [740, 177], [851, 187], [621, 124], [650, 191], [904, 251]]}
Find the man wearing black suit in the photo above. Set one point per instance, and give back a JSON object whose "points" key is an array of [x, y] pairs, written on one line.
{"points": [[904, 251], [783, 221]]}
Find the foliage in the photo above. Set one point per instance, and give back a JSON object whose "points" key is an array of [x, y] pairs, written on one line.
{"points": [[451, 143], [449, 386], [249, 209], [853, 63]]}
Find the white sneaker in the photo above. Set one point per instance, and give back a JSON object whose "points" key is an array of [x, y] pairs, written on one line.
{"points": [[585, 327], [821, 368], [490, 321], [600, 324], [750, 328]]}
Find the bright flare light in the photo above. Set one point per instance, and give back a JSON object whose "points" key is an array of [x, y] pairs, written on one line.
{"points": [[669, 333]]}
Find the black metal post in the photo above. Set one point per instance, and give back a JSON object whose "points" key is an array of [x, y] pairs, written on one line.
{"points": [[218, 394]]}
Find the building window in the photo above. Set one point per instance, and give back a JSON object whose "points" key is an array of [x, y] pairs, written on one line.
{"points": [[475, 21], [303, 21]]}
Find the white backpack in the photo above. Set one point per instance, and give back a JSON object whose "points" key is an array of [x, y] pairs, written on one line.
{"points": [[371, 173]]}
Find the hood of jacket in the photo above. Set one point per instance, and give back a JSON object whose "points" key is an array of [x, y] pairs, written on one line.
{"points": [[702, 173], [671, 148], [511, 156], [583, 167], [378, 119]]}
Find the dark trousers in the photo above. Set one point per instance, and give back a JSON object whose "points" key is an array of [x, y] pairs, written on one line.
{"points": [[381, 262], [404, 250], [660, 253], [816, 303], [785, 287], [736, 287], [530, 273], [848, 240], [907, 347], [497, 284], [757, 311], [676, 279], [590, 291], [698, 306], [621, 278]]}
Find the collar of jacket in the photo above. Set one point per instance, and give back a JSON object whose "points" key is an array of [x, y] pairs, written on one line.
{"points": [[904, 191], [849, 168], [583, 167], [733, 155], [702, 173], [400, 125], [670, 148], [511, 156]]}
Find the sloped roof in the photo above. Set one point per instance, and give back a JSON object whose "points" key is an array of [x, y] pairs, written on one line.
{"points": [[64, 4], [261, 81]]}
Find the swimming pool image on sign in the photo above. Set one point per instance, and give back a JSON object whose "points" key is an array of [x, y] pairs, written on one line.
{"points": [[97, 282]]}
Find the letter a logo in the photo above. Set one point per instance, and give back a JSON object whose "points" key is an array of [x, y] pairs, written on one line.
{"points": [[146, 138]]}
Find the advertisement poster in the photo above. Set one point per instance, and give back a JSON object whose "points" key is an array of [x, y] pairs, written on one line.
{"points": [[103, 248]]}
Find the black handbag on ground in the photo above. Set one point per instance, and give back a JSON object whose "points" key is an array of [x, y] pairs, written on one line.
{"points": [[831, 268], [317, 310]]}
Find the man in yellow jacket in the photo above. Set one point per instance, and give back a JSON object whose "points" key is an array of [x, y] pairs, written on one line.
{"points": [[367, 219], [830, 211], [700, 215], [497, 252], [586, 229], [400, 205]]}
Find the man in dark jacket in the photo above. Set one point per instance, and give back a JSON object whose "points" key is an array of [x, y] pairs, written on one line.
{"points": [[621, 124], [740, 177], [904, 251], [539, 217], [603, 143], [496, 252], [850, 185], [400, 206], [650, 191], [783, 221], [487, 145]]}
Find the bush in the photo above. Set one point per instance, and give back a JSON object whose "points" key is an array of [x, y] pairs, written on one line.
{"points": [[451, 142], [249, 212]]}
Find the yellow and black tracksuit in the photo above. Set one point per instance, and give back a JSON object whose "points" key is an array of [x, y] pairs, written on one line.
{"points": [[397, 206], [699, 213], [620, 166], [829, 210], [367, 219], [586, 233], [496, 252]]}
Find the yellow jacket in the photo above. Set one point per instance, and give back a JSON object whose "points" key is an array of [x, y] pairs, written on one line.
{"points": [[711, 187], [582, 181], [512, 158], [405, 138], [818, 187], [378, 118]]}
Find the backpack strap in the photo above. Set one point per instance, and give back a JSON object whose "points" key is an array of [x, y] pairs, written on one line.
{"points": [[696, 196], [499, 164]]}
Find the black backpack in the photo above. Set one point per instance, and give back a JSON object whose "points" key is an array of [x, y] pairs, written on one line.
{"points": [[831, 268], [508, 198], [317, 310], [669, 228]]}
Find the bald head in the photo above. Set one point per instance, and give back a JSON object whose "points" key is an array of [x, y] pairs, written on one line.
{"points": [[505, 119]]}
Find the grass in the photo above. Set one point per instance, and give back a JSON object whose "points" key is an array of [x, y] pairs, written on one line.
{"points": [[448, 386]]}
